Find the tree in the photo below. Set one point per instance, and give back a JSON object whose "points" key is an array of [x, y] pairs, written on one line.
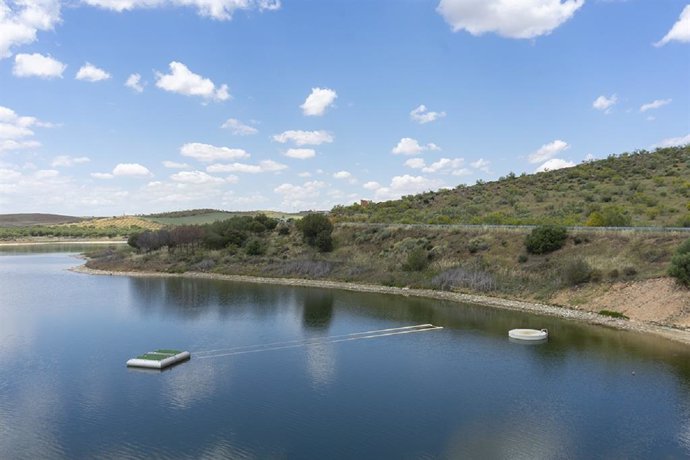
{"points": [[610, 216], [316, 231]]}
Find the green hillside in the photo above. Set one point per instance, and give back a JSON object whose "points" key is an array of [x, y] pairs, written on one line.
{"points": [[631, 189], [208, 216], [26, 220]]}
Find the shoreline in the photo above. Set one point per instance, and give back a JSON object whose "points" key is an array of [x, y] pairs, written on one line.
{"points": [[48, 242], [670, 333]]}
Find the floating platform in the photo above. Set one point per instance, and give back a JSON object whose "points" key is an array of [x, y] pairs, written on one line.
{"points": [[532, 335], [159, 359]]}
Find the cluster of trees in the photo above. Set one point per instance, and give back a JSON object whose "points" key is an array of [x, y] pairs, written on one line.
{"points": [[239, 232], [65, 231], [680, 264]]}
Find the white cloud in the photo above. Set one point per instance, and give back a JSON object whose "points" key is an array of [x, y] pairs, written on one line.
{"points": [[238, 128], [409, 146], [300, 196], [680, 31], [547, 151], [342, 175], [318, 101], [372, 185], [208, 153], [134, 82], [304, 137], [301, 154], [263, 166], [131, 169], [20, 21], [415, 163], [674, 141], [553, 164], [481, 165], [444, 166], [656, 103], [304, 174], [405, 185], [605, 103], [181, 80], [508, 18], [196, 177], [422, 115], [102, 176], [67, 161], [91, 73], [37, 65], [175, 165], [14, 130], [46, 173], [221, 10]]}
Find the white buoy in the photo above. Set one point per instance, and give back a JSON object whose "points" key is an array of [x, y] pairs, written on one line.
{"points": [[528, 334]]}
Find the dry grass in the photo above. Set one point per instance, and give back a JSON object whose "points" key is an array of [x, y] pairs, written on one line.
{"points": [[118, 222]]}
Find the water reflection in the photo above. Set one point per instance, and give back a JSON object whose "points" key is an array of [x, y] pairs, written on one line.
{"points": [[318, 309]]}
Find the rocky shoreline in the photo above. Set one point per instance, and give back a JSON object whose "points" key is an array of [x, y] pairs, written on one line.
{"points": [[677, 335]]}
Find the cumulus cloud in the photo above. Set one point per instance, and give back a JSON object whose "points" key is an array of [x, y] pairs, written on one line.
{"points": [[508, 18], [16, 132], [131, 169], [67, 161], [481, 165], [452, 166], [656, 103], [301, 154], [91, 73], [674, 141], [409, 146], [304, 137], [134, 82], [553, 164], [183, 81], [102, 176], [680, 31], [403, 185], [208, 153], [300, 196], [345, 175], [318, 101], [196, 177], [37, 65], [20, 21], [175, 165], [547, 151], [238, 128], [422, 115], [221, 10], [263, 166], [605, 103]]}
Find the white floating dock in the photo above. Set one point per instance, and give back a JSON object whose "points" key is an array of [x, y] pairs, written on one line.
{"points": [[159, 359], [531, 335]]}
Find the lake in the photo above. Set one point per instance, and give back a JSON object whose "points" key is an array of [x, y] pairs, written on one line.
{"points": [[292, 377]]}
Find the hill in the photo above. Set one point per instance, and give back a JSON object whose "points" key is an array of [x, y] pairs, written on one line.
{"points": [[26, 220], [208, 216], [632, 189]]}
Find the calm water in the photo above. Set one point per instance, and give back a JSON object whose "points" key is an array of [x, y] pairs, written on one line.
{"points": [[464, 391]]}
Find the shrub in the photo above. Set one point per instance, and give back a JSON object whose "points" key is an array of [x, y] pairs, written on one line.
{"points": [[576, 272], [610, 216], [522, 258], [255, 248], [680, 264], [613, 314], [283, 230], [417, 260], [545, 238], [475, 279]]}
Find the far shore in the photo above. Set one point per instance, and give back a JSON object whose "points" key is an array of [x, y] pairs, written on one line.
{"points": [[47, 242], [677, 335]]}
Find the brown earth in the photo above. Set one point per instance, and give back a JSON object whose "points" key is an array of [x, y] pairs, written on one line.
{"points": [[658, 300]]}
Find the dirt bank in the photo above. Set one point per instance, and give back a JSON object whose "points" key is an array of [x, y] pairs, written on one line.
{"points": [[585, 315]]}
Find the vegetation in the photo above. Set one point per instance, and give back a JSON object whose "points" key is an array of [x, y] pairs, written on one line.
{"points": [[32, 220], [545, 239], [632, 189], [316, 231], [613, 314], [680, 264]]}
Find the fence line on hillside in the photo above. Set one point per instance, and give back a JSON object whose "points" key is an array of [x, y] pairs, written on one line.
{"points": [[519, 228]]}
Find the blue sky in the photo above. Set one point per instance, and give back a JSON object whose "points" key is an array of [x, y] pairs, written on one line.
{"points": [[294, 105]]}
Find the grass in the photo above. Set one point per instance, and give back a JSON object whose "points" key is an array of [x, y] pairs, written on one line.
{"points": [[613, 314], [158, 355], [28, 220], [208, 216]]}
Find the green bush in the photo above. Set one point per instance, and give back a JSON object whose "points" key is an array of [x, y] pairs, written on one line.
{"points": [[316, 231], [545, 239], [613, 314], [255, 248], [680, 264], [610, 216], [417, 260]]}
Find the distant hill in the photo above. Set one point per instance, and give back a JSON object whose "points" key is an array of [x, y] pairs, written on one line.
{"points": [[27, 220], [631, 189], [207, 216]]}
